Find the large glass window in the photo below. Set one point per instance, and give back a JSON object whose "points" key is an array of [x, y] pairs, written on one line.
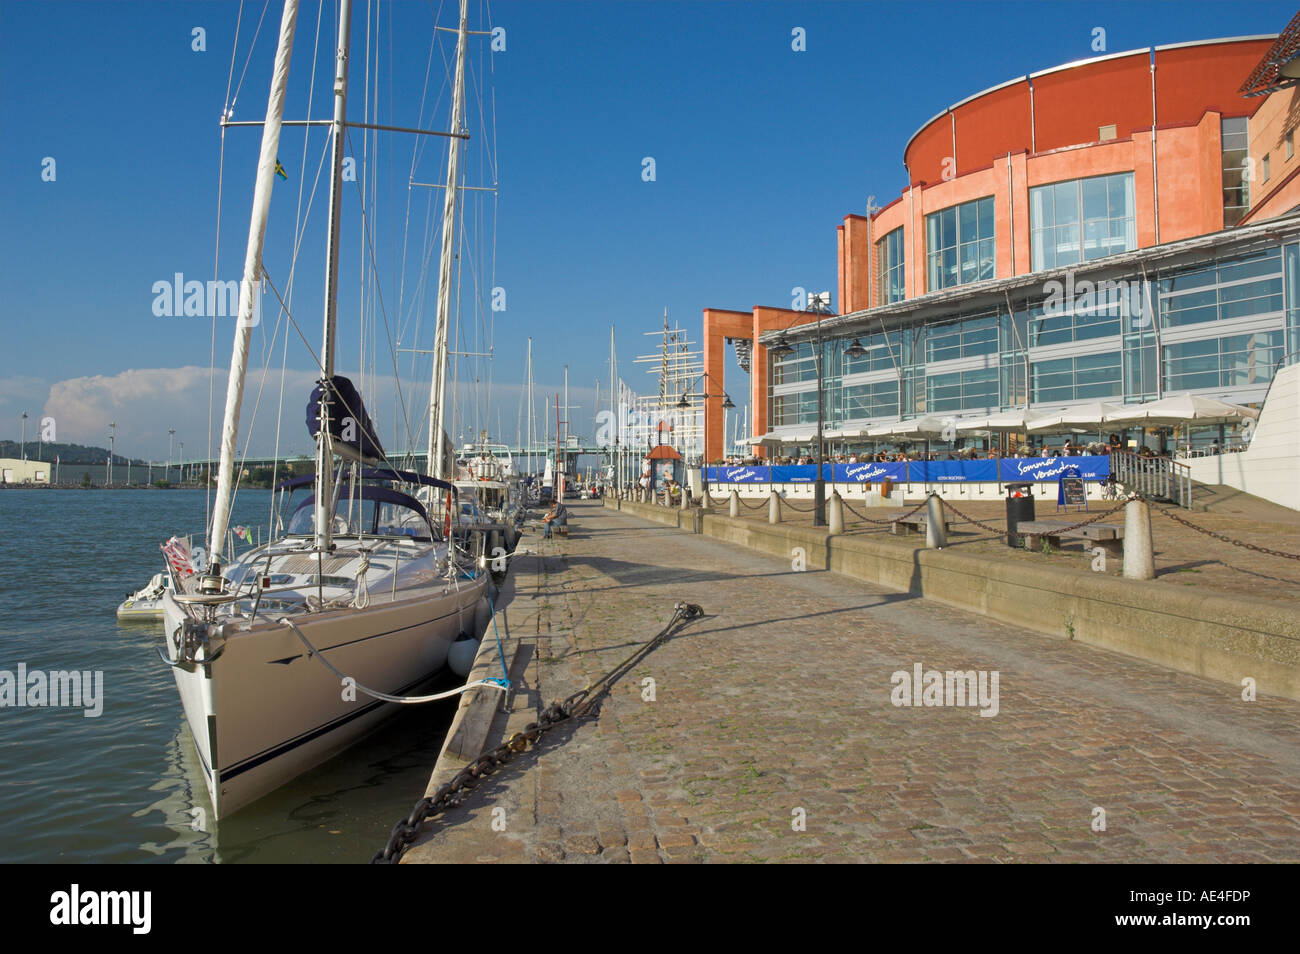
{"points": [[1081, 220], [889, 255], [960, 244], [1084, 377], [963, 338], [794, 408], [962, 390], [1096, 313], [1233, 288], [1236, 158], [884, 351], [864, 401], [1232, 361]]}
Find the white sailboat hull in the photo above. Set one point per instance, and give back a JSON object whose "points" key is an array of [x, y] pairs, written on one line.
{"points": [[264, 711]]}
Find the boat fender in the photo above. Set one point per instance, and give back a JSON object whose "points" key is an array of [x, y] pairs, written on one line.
{"points": [[460, 657]]}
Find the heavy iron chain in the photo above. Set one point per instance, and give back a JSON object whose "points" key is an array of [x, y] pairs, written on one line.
{"points": [[1219, 536], [970, 519], [849, 507], [786, 503], [582, 703], [758, 506]]}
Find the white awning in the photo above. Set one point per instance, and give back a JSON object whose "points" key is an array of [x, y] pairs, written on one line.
{"points": [[1181, 409]]}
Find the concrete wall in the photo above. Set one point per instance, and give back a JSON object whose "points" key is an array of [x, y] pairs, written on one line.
{"points": [[1217, 637], [1270, 466]]}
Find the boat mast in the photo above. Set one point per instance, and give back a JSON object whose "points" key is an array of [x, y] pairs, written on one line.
{"points": [[438, 388], [324, 441], [251, 281], [531, 405]]}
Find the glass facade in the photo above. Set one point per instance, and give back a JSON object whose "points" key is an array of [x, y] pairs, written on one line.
{"points": [[960, 244], [1236, 162], [889, 256], [1220, 327], [1081, 220]]}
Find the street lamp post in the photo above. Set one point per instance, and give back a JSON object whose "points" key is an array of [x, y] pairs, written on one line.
{"points": [[820, 304], [685, 403]]}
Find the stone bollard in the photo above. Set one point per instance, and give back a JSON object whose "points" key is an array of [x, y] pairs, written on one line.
{"points": [[936, 532], [836, 512], [704, 498], [773, 507], [1139, 554], [686, 498], [735, 505]]}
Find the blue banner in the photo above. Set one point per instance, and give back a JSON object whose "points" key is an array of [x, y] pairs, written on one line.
{"points": [[952, 471], [1052, 468], [796, 473], [869, 472], [1007, 469], [738, 475]]}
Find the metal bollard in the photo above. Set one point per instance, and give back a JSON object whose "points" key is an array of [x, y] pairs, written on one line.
{"points": [[773, 508], [936, 533], [1139, 552], [735, 505], [836, 513]]}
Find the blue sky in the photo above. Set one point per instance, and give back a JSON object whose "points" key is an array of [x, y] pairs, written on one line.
{"points": [[759, 153]]}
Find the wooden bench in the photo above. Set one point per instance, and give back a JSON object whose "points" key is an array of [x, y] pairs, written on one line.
{"points": [[911, 524], [1108, 536]]}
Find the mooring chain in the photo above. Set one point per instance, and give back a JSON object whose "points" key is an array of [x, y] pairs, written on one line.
{"points": [[847, 506], [582, 703], [969, 519], [1219, 536]]}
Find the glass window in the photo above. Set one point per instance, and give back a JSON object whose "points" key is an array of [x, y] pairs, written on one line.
{"points": [[1081, 220], [889, 256], [865, 401], [1233, 288], [960, 246], [962, 390], [1236, 159], [1232, 361], [1085, 377]]}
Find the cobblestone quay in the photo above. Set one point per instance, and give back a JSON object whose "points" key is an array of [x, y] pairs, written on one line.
{"points": [[771, 731]]}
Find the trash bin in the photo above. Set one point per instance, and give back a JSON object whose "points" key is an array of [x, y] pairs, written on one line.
{"points": [[1020, 507], [886, 485]]}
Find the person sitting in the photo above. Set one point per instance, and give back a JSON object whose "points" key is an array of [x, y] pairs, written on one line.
{"points": [[557, 516]]}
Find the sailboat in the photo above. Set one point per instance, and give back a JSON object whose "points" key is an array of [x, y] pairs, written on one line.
{"points": [[295, 649]]}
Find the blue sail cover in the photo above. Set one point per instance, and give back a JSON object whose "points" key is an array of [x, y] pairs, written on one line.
{"points": [[350, 425]]}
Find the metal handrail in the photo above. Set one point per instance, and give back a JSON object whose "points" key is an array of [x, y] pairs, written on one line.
{"points": [[1161, 477]]}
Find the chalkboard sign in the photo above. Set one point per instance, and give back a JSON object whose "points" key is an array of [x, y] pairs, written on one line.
{"points": [[1072, 493]]}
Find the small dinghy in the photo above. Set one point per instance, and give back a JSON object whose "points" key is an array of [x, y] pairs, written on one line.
{"points": [[146, 602]]}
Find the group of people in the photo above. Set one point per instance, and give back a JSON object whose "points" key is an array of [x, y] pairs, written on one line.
{"points": [[1069, 449]]}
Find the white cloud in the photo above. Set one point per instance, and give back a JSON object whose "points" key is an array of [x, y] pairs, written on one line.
{"points": [[145, 402]]}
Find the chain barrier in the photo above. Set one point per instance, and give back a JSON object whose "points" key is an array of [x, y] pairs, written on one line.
{"points": [[849, 507], [748, 506], [582, 703], [786, 503], [1168, 512], [996, 531]]}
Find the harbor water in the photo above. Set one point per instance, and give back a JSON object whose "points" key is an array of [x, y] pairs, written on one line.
{"points": [[123, 786]]}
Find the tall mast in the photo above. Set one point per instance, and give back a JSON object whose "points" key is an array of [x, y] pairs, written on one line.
{"points": [[324, 442], [252, 277], [438, 388]]}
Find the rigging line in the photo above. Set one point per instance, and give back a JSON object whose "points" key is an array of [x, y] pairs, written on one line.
{"points": [[299, 231], [382, 309], [424, 92], [257, 403], [249, 58]]}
